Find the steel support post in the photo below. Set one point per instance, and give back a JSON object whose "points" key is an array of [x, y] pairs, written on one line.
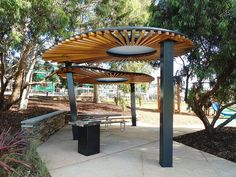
{"points": [[158, 95], [166, 112], [133, 105], [73, 107]]}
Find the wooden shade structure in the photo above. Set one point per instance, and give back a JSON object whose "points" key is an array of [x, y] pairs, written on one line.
{"points": [[110, 44], [125, 44], [90, 75]]}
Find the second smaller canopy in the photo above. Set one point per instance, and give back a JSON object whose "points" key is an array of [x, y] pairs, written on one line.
{"points": [[92, 75]]}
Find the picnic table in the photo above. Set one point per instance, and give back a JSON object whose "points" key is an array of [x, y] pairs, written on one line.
{"points": [[89, 130], [107, 119], [96, 116]]}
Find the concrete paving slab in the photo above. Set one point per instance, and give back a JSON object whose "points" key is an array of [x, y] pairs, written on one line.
{"points": [[132, 153]]}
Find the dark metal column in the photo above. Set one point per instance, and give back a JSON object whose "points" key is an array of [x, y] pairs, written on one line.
{"points": [[166, 112], [133, 105], [73, 107]]}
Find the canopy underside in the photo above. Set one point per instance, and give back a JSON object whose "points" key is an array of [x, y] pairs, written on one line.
{"points": [[94, 46]]}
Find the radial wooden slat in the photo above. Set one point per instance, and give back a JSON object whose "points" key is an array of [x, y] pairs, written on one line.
{"points": [[155, 39], [133, 37], [108, 35], [141, 34], [100, 35], [125, 32], [120, 37], [84, 74], [98, 39], [93, 45], [147, 37]]}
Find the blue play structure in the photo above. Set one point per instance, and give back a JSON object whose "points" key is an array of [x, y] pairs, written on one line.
{"points": [[226, 112]]}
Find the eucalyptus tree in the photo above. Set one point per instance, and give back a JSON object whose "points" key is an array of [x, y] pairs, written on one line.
{"points": [[26, 27], [211, 26], [140, 67], [112, 13]]}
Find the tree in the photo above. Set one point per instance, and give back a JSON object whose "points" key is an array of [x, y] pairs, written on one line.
{"points": [[211, 26], [25, 28], [131, 67], [112, 13]]}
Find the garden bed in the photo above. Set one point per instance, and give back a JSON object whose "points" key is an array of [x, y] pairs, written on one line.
{"points": [[37, 107], [221, 144], [13, 117]]}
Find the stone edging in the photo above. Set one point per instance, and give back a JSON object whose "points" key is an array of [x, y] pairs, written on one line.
{"points": [[38, 129]]}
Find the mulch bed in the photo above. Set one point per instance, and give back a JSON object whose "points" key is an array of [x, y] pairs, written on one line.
{"points": [[221, 144], [12, 118], [37, 107]]}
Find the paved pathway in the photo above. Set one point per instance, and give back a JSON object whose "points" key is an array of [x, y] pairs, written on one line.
{"points": [[132, 153]]}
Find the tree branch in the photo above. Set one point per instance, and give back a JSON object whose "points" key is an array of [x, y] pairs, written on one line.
{"points": [[39, 82], [220, 80], [216, 117], [2, 68], [226, 122]]}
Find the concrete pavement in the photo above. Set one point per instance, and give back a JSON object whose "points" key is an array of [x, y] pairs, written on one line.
{"points": [[132, 153]]}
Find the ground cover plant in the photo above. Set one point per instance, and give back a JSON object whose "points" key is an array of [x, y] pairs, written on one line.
{"points": [[11, 149], [18, 157], [38, 167]]}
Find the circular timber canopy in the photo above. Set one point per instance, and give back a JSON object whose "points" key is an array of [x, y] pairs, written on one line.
{"points": [[92, 75], [117, 44]]}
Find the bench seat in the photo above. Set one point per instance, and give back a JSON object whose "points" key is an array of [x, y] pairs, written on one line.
{"points": [[109, 122]]}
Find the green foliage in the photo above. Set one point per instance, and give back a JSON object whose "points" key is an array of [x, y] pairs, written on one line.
{"points": [[211, 26], [140, 100], [122, 103], [110, 13], [23, 20], [18, 158], [131, 67], [26, 29], [39, 168], [12, 146]]}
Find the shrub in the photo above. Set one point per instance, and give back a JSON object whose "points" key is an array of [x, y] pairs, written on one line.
{"points": [[38, 166], [122, 103], [140, 100], [11, 149]]}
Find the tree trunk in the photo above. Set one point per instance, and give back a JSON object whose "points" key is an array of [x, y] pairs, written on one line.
{"points": [[186, 89], [3, 89], [25, 95], [197, 109], [95, 94], [18, 78], [4, 83], [117, 95]]}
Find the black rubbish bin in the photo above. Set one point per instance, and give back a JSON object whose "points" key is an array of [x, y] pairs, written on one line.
{"points": [[89, 138], [75, 132]]}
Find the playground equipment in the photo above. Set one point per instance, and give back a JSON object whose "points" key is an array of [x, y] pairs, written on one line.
{"points": [[226, 112]]}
